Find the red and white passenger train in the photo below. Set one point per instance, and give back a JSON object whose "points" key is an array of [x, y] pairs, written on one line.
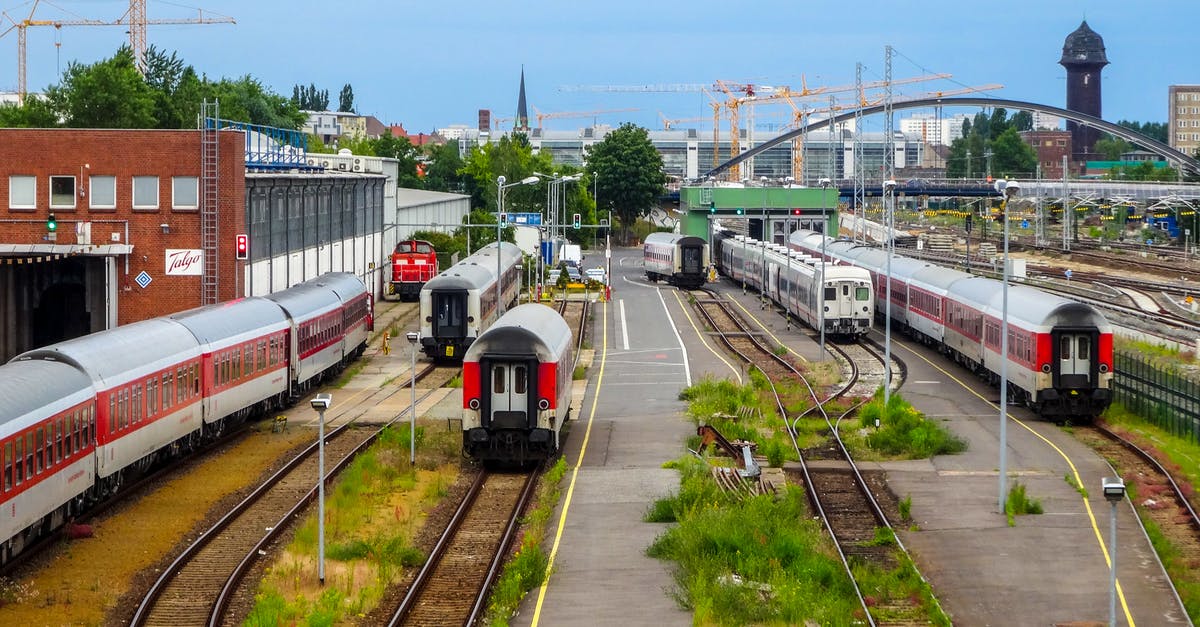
{"points": [[414, 262], [1060, 352], [77, 416], [517, 387]]}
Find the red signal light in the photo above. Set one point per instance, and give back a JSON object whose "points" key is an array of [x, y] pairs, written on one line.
{"points": [[242, 246], [797, 212]]}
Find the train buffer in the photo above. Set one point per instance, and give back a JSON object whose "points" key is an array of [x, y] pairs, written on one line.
{"points": [[742, 453]]}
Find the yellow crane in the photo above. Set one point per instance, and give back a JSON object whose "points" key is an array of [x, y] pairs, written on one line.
{"points": [[558, 115], [134, 19]]}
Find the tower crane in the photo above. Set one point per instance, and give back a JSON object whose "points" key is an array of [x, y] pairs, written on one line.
{"points": [[558, 115], [134, 19]]}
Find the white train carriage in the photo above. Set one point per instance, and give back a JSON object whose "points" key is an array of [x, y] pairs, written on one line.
{"points": [[47, 424], [517, 387], [460, 303], [357, 316], [243, 356], [315, 334], [147, 381], [681, 260], [840, 297]]}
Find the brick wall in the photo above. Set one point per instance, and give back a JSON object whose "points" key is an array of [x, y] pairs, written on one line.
{"points": [[124, 154]]}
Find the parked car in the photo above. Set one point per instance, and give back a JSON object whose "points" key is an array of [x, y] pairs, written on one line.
{"points": [[574, 275]]}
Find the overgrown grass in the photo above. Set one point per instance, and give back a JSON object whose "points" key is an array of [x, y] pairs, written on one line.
{"points": [[762, 560], [579, 374], [904, 432], [372, 513], [1070, 479], [456, 382], [1019, 504], [529, 568]]}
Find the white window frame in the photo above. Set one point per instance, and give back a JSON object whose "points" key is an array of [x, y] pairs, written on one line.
{"points": [[94, 202], [176, 182], [74, 191], [134, 195], [32, 196]]}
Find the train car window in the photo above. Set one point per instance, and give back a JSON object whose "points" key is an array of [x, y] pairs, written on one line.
{"points": [[830, 293], [519, 380], [112, 412], [17, 462], [424, 248], [845, 290], [1085, 348], [8, 465], [136, 414], [179, 385], [123, 409], [498, 379], [862, 293], [194, 378], [89, 427], [41, 448], [29, 455], [58, 440], [1064, 348]]}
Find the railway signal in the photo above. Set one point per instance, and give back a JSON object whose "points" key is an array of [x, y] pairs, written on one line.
{"points": [[576, 221], [504, 220], [51, 223], [242, 246]]}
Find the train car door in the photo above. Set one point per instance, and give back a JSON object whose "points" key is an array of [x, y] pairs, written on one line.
{"points": [[842, 303], [1074, 360], [510, 385], [691, 259], [450, 314]]}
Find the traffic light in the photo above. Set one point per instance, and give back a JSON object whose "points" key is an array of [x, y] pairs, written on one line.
{"points": [[577, 221], [504, 219], [242, 246], [51, 223], [712, 207], [741, 211]]}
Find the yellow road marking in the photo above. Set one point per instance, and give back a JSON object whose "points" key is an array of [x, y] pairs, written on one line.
{"points": [[736, 372], [1074, 471]]}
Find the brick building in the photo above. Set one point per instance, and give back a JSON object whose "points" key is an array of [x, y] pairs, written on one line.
{"points": [[1051, 147], [126, 202]]}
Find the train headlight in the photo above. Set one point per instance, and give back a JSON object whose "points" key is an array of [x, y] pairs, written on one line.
{"points": [[473, 404], [543, 404], [1103, 368]]}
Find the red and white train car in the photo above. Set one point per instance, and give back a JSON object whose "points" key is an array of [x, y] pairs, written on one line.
{"points": [[517, 387], [414, 262], [328, 317]]}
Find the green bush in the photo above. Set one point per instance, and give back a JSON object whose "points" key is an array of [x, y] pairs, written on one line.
{"points": [[905, 432]]}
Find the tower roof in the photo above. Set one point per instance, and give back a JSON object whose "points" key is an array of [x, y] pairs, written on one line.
{"points": [[1083, 47], [522, 113]]}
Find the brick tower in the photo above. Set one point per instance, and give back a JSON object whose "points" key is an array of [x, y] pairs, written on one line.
{"points": [[1083, 56]]}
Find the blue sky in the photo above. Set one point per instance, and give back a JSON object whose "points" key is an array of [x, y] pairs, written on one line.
{"points": [[430, 64]]}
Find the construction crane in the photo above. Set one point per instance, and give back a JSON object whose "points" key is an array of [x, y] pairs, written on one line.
{"points": [[558, 115], [669, 123], [134, 19]]}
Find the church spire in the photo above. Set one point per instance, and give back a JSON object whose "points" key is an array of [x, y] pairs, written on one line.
{"points": [[522, 122]]}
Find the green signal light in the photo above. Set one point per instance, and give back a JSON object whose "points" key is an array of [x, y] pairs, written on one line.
{"points": [[51, 223]]}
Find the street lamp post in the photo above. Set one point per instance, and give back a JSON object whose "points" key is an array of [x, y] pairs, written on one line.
{"points": [[321, 402], [889, 189], [1010, 190], [414, 338], [500, 187], [1114, 492], [787, 245], [596, 201], [824, 183]]}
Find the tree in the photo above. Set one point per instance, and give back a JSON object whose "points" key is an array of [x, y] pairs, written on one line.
{"points": [[247, 100], [401, 149], [1011, 156], [631, 173], [441, 172], [1112, 147], [346, 99], [106, 94], [310, 98], [512, 157], [1154, 130], [35, 113]]}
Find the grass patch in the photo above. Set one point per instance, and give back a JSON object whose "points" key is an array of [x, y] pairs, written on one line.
{"points": [[456, 382], [372, 513], [904, 432], [530, 567], [905, 508], [579, 373], [1019, 504], [763, 560]]}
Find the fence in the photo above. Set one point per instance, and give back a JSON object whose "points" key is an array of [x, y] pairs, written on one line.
{"points": [[1158, 393]]}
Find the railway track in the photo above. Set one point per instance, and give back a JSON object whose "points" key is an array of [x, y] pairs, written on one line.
{"points": [[838, 493], [452, 587], [200, 584]]}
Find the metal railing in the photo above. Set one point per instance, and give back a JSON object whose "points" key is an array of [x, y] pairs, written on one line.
{"points": [[1163, 395]]}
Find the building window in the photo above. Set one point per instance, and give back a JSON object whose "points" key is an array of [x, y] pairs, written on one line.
{"points": [[104, 192], [1181, 123], [1181, 137], [145, 192], [62, 192], [22, 192], [185, 192]]}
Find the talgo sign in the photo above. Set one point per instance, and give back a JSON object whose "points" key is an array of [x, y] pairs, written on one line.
{"points": [[184, 262]]}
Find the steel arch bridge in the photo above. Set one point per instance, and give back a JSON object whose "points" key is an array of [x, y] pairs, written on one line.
{"points": [[1170, 154]]}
